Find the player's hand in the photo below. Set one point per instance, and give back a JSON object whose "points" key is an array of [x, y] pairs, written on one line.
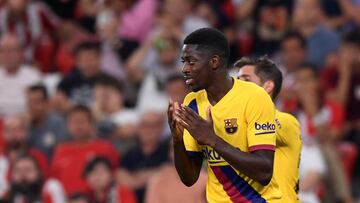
{"points": [[202, 130], [176, 129]]}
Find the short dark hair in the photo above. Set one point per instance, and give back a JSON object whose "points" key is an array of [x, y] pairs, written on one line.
{"points": [[297, 35], [244, 61], [39, 88], [110, 81], [352, 37], [211, 40], [266, 70], [90, 166], [86, 46], [81, 109]]}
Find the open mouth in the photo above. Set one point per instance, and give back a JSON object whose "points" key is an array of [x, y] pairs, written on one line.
{"points": [[189, 80]]}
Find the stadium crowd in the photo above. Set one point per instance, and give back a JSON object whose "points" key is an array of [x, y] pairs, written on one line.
{"points": [[85, 84]]}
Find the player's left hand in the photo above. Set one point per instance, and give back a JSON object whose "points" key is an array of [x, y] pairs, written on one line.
{"points": [[202, 130]]}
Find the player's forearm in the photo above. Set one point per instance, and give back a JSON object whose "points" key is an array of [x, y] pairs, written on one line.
{"points": [[257, 166], [187, 167]]}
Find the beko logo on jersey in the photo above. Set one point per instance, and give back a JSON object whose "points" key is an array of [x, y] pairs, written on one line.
{"points": [[265, 126]]}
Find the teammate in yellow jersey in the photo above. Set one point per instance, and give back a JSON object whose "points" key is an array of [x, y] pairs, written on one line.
{"points": [[265, 73], [236, 135]]}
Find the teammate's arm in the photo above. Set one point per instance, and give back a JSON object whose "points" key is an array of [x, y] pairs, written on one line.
{"points": [[187, 167], [257, 165]]}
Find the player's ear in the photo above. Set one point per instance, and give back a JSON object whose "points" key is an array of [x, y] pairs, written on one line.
{"points": [[215, 62], [269, 86]]}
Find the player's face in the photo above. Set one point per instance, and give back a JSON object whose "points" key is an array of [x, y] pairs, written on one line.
{"points": [[196, 68], [247, 73]]}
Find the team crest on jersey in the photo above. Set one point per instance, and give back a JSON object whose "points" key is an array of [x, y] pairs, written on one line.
{"points": [[231, 125]]}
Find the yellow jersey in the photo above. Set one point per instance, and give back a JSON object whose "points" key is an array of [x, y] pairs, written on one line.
{"points": [[244, 118], [287, 156]]}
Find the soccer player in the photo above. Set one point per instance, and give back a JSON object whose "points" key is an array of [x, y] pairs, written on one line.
{"points": [[266, 74], [229, 122]]}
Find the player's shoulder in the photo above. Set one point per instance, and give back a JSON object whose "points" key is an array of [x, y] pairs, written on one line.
{"points": [[249, 89], [193, 97]]}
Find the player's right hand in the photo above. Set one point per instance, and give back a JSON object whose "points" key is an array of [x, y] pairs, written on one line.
{"points": [[177, 130]]}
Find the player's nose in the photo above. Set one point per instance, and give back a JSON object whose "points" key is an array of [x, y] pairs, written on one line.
{"points": [[185, 68]]}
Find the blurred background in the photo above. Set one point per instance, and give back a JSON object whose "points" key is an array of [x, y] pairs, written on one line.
{"points": [[84, 87]]}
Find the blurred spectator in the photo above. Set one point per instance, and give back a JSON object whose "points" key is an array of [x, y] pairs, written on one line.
{"points": [[88, 10], [312, 165], [341, 82], [70, 158], [79, 198], [99, 176], [15, 137], [114, 50], [138, 19], [180, 19], [65, 9], [15, 77], [292, 56], [77, 87], [31, 21], [321, 40], [46, 129], [28, 184], [159, 56], [351, 9], [176, 88], [311, 172], [114, 121], [143, 161], [165, 186], [270, 21], [69, 36], [321, 123], [151, 64]]}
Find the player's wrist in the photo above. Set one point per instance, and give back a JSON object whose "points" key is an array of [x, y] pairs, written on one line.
{"points": [[177, 140], [214, 141]]}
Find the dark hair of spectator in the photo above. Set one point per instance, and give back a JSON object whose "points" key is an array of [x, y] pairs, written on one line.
{"points": [[109, 81], [295, 35], [87, 46], [95, 161], [309, 66], [353, 37], [79, 196], [23, 156], [39, 88], [211, 41], [81, 109], [266, 70]]}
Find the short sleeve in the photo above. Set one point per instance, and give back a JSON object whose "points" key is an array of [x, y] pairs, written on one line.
{"points": [[260, 118], [191, 145]]}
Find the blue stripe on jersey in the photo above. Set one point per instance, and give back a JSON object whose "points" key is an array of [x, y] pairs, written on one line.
{"points": [[194, 153], [243, 187], [193, 105]]}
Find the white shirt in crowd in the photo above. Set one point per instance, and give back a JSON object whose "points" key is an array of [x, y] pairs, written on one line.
{"points": [[13, 89]]}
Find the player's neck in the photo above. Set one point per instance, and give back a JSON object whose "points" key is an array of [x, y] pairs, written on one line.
{"points": [[219, 89]]}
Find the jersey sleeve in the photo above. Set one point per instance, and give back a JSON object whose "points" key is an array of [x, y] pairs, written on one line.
{"points": [[191, 145], [260, 118]]}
